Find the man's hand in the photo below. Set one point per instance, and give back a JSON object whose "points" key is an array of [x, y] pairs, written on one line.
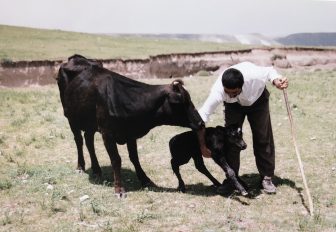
{"points": [[201, 139], [281, 83]]}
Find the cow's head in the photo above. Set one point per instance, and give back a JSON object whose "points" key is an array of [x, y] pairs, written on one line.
{"points": [[182, 108]]}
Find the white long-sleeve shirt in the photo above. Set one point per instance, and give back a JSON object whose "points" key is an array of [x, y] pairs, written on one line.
{"points": [[255, 78]]}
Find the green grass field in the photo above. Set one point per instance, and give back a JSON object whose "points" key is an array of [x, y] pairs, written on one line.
{"points": [[18, 43], [40, 189]]}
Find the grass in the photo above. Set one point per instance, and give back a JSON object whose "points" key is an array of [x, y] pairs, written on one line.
{"points": [[40, 189], [19, 43]]}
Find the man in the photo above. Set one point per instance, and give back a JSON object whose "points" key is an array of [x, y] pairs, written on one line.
{"points": [[242, 88]]}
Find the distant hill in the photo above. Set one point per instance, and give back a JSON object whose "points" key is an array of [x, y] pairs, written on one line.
{"points": [[309, 39], [243, 39]]}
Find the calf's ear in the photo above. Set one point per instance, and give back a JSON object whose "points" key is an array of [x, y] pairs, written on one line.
{"points": [[220, 130]]}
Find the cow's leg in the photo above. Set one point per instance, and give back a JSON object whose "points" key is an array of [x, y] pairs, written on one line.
{"points": [[231, 175], [176, 169], [79, 143], [89, 141], [199, 164], [134, 157], [112, 150]]}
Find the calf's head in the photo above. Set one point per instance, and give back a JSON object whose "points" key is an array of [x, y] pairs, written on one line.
{"points": [[182, 109], [234, 136]]}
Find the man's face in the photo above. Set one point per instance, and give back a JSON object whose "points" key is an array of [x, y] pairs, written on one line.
{"points": [[232, 92]]}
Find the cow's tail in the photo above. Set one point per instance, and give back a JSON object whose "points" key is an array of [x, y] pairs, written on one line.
{"points": [[62, 82]]}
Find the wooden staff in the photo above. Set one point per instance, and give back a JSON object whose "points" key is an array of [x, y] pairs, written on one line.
{"points": [[311, 209]]}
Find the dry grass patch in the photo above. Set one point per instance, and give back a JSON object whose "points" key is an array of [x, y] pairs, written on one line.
{"points": [[41, 191]]}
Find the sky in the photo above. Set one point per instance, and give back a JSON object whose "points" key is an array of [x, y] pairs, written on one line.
{"points": [[267, 17]]}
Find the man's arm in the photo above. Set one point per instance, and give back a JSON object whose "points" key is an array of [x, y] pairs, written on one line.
{"points": [[201, 139], [214, 99]]}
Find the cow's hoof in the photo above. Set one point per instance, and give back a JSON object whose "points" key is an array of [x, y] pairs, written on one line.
{"points": [[120, 193], [80, 168], [79, 171]]}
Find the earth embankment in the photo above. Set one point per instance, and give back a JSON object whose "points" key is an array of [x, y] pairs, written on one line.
{"points": [[26, 73]]}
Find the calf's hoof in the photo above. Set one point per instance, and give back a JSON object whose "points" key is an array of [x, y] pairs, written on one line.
{"points": [[244, 193]]}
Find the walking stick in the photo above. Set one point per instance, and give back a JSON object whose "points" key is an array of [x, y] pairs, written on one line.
{"points": [[311, 209]]}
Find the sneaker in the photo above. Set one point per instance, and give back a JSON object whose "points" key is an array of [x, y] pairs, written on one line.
{"points": [[226, 188], [267, 185]]}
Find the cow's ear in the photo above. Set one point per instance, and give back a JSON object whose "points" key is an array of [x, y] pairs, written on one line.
{"points": [[176, 93], [175, 97]]}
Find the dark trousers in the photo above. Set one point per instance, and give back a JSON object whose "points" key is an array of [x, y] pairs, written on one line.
{"points": [[258, 116]]}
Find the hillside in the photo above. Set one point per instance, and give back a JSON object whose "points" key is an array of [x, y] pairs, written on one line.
{"points": [[19, 43], [309, 39]]}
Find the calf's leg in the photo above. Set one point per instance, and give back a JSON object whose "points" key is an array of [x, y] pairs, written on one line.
{"points": [[199, 164], [176, 169], [231, 175], [134, 157], [89, 141]]}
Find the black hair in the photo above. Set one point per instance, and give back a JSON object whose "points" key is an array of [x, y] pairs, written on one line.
{"points": [[232, 79]]}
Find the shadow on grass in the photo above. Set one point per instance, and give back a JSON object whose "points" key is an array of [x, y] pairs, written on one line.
{"points": [[128, 178], [131, 183], [253, 183]]}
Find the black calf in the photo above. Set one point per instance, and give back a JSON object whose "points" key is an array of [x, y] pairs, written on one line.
{"points": [[219, 140]]}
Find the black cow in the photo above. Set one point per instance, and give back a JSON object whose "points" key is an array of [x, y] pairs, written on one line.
{"points": [[122, 109], [219, 140]]}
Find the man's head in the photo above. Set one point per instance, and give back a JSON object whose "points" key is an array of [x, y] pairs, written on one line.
{"points": [[232, 81]]}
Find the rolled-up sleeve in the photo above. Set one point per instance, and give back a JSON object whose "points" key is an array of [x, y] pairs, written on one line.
{"points": [[214, 99], [272, 74]]}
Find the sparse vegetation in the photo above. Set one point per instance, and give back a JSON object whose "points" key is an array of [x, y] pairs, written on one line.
{"points": [[41, 191]]}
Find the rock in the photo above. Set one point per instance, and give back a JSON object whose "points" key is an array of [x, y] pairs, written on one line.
{"points": [[84, 198]]}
